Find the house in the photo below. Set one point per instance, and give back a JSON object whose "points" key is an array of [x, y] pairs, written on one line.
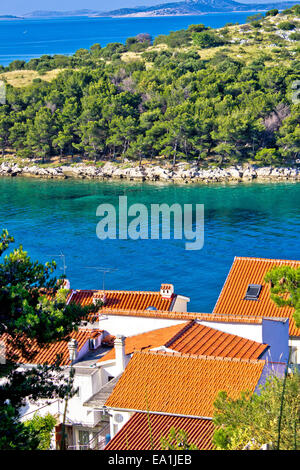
{"points": [[247, 272], [179, 385], [146, 346]]}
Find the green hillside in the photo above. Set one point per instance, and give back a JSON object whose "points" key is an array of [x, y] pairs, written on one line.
{"points": [[212, 96]]}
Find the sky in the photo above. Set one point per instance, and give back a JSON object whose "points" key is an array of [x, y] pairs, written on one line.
{"points": [[19, 7]]}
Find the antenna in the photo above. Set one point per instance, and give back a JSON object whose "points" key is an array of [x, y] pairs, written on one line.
{"points": [[63, 258], [104, 271]]}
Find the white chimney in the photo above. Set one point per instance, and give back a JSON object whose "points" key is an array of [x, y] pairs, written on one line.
{"points": [[119, 344], [167, 291], [72, 346]]}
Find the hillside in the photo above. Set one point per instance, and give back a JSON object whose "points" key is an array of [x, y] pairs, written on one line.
{"points": [[196, 7], [188, 7], [200, 96]]}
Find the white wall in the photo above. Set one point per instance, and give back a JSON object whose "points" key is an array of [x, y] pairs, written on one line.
{"points": [[246, 330], [180, 304], [294, 343], [130, 326], [114, 425]]}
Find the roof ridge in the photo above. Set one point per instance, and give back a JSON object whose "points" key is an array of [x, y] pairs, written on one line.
{"points": [[118, 291], [195, 356], [179, 333], [189, 316]]}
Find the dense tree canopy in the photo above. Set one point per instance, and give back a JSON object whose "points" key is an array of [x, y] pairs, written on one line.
{"points": [[167, 101]]}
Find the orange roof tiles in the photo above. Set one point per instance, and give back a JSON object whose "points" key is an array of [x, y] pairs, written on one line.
{"points": [[193, 338], [243, 272], [181, 384], [134, 435], [149, 340], [124, 300], [203, 340], [46, 354]]}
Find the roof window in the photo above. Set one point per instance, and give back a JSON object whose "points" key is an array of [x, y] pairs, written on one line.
{"points": [[253, 292]]}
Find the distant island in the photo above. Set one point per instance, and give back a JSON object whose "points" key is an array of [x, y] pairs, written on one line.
{"points": [[10, 17], [189, 7]]}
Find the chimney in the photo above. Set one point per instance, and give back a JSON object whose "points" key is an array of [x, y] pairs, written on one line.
{"points": [[119, 344], [167, 291], [72, 346]]}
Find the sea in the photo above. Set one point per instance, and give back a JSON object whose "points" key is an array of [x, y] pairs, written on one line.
{"points": [[51, 218], [25, 39]]}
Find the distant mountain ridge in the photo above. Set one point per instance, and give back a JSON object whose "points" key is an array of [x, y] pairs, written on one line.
{"points": [[188, 7]]}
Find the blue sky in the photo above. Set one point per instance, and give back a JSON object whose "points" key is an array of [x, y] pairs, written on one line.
{"points": [[19, 7]]}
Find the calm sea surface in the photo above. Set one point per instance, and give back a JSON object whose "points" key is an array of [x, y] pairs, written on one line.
{"points": [[26, 39], [49, 217]]}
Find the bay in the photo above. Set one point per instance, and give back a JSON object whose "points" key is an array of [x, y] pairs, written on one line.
{"points": [[25, 39], [50, 217]]}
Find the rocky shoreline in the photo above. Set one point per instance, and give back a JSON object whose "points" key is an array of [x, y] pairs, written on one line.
{"points": [[181, 174]]}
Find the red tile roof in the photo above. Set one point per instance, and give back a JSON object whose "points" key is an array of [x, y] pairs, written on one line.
{"points": [[243, 272], [124, 300], [181, 384], [193, 338], [135, 434], [205, 341], [46, 354], [149, 340]]}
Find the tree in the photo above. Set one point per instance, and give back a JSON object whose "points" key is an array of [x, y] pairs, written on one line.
{"points": [[26, 313], [5, 123], [41, 133], [273, 12], [177, 439], [285, 288], [260, 418], [42, 426]]}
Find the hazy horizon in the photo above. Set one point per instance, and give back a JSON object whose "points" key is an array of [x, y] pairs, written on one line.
{"points": [[16, 7]]}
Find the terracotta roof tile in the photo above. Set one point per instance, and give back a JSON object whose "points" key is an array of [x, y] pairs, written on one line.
{"points": [[149, 340], [205, 341], [134, 435], [243, 272], [181, 384], [124, 300], [47, 354], [193, 338]]}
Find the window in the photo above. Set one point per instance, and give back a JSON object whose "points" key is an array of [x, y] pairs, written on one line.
{"points": [[253, 292], [83, 439]]}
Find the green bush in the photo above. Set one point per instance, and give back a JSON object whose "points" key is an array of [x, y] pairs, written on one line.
{"points": [[207, 39], [272, 12], [42, 427], [286, 26], [295, 36]]}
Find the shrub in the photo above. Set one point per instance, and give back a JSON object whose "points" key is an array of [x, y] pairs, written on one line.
{"points": [[286, 26], [207, 39], [272, 12]]}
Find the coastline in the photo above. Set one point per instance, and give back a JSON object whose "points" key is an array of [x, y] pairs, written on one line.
{"points": [[181, 174]]}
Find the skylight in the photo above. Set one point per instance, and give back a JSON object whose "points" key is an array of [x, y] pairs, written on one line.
{"points": [[253, 292]]}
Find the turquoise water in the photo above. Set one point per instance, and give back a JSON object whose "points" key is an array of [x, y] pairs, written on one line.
{"points": [[26, 39], [49, 217]]}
